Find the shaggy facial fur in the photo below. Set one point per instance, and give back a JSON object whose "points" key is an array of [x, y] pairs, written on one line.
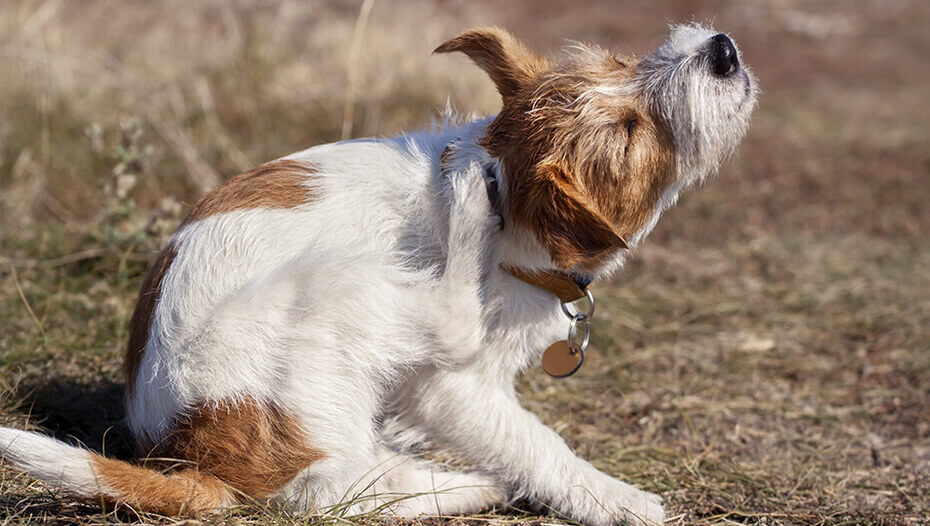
{"points": [[707, 115], [315, 322], [590, 145]]}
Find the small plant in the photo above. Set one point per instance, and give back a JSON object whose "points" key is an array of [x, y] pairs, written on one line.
{"points": [[121, 223]]}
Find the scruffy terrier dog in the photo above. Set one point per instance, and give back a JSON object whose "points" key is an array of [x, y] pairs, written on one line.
{"points": [[316, 320]]}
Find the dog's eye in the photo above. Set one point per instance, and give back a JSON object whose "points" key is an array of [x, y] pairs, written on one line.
{"points": [[630, 126]]}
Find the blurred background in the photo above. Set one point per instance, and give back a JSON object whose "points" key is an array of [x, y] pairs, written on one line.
{"points": [[766, 357]]}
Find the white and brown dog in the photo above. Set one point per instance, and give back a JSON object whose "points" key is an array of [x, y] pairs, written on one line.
{"points": [[314, 320]]}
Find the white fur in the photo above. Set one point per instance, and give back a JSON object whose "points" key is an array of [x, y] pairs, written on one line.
{"points": [[377, 313], [50, 460], [708, 115]]}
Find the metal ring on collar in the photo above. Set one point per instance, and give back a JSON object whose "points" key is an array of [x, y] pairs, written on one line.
{"points": [[571, 334], [588, 314]]}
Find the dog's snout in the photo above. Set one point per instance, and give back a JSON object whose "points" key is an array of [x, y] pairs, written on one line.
{"points": [[723, 57]]}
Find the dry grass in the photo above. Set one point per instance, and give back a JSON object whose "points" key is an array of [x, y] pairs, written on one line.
{"points": [[766, 359]]}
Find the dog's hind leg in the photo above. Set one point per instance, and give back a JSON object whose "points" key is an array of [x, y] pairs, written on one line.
{"points": [[458, 305], [397, 484], [418, 487]]}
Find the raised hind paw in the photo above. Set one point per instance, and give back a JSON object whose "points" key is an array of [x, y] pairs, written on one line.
{"points": [[458, 308]]}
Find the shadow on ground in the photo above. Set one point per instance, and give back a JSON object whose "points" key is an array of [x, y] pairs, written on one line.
{"points": [[76, 411]]}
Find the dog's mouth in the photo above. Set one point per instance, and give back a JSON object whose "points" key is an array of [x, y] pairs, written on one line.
{"points": [[747, 89]]}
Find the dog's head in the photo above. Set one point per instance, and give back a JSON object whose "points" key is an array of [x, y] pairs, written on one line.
{"points": [[590, 144]]}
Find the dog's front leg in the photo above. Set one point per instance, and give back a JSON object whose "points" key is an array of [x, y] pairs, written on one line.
{"points": [[479, 417]]}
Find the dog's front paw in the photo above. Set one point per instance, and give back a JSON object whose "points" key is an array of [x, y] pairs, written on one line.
{"points": [[614, 502], [641, 508]]}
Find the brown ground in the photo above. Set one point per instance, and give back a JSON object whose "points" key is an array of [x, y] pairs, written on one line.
{"points": [[765, 360]]}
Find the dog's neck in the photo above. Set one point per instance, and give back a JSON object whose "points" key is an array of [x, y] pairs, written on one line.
{"points": [[521, 255], [567, 286]]}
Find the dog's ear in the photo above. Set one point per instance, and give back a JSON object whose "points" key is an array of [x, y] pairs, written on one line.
{"points": [[508, 62], [563, 219]]}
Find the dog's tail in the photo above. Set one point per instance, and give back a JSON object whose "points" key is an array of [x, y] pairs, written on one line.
{"points": [[88, 475]]}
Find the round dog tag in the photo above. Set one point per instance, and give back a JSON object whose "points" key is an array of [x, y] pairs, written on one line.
{"points": [[558, 360]]}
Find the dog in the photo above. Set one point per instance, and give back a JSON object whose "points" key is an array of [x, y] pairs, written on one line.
{"points": [[313, 322]]}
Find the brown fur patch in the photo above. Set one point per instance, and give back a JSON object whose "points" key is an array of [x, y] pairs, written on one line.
{"points": [[180, 493], [278, 184], [585, 168], [141, 321], [254, 448]]}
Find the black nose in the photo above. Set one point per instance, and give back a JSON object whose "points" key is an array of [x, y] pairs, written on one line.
{"points": [[723, 55]]}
